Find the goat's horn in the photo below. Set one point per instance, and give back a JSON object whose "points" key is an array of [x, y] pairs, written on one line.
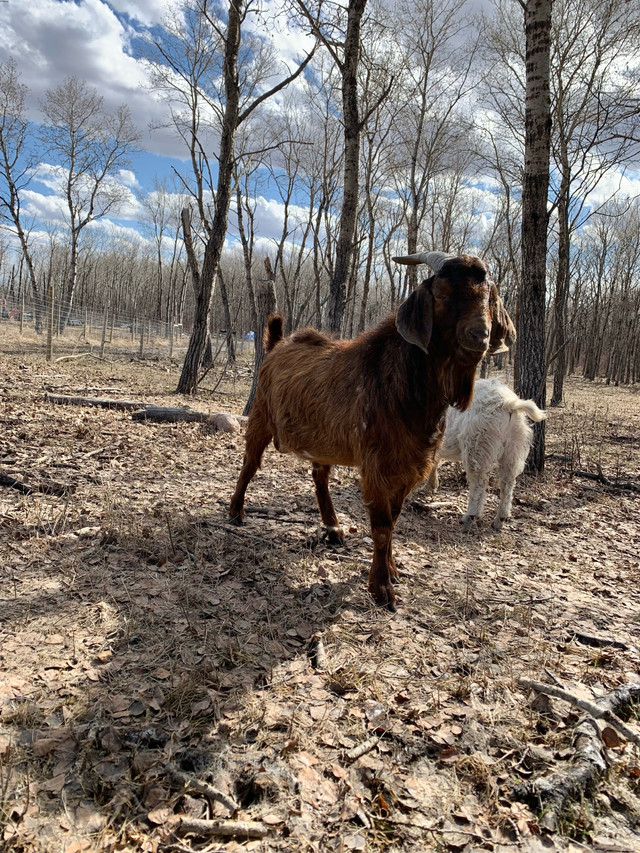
{"points": [[434, 259]]}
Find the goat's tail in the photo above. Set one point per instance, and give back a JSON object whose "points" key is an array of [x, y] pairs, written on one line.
{"points": [[273, 333], [529, 408]]}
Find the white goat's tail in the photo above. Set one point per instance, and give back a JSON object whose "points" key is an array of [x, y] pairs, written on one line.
{"points": [[529, 408]]}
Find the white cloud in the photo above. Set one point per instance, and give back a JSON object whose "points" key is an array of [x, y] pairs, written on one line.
{"points": [[614, 185], [51, 40], [148, 12]]}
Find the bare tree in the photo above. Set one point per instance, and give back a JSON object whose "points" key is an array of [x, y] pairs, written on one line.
{"points": [[530, 378], [16, 163], [596, 127], [342, 40], [206, 101], [89, 145]]}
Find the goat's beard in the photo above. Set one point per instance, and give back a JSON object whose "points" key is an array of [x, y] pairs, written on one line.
{"points": [[458, 384]]}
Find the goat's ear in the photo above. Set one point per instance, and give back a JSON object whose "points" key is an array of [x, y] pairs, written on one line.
{"points": [[414, 319], [503, 332]]}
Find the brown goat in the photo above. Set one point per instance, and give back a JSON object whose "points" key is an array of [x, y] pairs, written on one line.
{"points": [[377, 402]]}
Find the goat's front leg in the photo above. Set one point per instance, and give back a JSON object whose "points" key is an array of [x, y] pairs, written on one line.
{"points": [[320, 474], [383, 573], [256, 441]]}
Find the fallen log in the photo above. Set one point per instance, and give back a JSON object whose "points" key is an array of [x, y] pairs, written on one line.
{"points": [[148, 412], [101, 402], [165, 414]]}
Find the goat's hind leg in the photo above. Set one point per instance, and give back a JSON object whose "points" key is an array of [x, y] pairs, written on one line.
{"points": [[478, 484], [320, 474], [507, 481], [258, 437]]}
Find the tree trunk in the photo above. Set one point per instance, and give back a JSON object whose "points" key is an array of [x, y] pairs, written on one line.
{"points": [[349, 211], [561, 295], [188, 382], [530, 354], [266, 305]]}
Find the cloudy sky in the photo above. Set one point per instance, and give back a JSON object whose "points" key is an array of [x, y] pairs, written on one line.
{"points": [[99, 41]]}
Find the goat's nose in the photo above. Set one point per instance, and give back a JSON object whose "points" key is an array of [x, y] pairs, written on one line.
{"points": [[478, 335]]}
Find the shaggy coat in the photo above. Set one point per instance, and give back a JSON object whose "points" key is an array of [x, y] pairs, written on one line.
{"points": [[493, 431], [376, 402]]}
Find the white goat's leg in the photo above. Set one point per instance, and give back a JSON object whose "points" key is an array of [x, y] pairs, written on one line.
{"points": [[432, 481], [507, 481], [478, 484]]}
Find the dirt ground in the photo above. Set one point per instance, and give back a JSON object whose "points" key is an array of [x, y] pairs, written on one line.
{"points": [[159, 667]]}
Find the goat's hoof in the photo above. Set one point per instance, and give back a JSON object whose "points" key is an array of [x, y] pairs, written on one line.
{"points": [[238, 520], [384, 597], [497, 523], [467, 521], [334, 535]]}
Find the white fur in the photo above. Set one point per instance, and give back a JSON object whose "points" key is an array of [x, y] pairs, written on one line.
{"points": [[494, 430]]}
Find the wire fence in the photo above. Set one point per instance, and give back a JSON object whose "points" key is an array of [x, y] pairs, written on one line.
{"points": [[57, 328]]}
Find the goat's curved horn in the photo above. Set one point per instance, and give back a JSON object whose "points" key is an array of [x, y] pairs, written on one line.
{"points": [[434, 259]]}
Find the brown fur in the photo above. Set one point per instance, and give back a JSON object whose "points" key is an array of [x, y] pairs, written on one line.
{"points": [[375, 402]]}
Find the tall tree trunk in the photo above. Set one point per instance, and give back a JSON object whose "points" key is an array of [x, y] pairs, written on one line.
{"points": [[266, 305], [188, 382], [530, 354], [561, 295], [349, 211]]}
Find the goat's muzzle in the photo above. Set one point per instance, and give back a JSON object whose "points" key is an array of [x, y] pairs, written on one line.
{"points": [[476, 338]]}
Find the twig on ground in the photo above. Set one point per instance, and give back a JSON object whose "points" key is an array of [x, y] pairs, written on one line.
{"points": [[192, 784], [362, 748], [221, 828]]}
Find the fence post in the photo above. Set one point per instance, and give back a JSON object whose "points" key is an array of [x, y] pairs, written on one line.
{"points": [[103, 337], [141, 338], [50, 322]]}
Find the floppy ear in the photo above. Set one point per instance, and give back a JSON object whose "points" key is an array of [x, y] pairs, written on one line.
{"points": [[503, 332], [414, 319]]}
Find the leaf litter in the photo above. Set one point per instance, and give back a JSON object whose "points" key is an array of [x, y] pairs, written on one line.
{"points": [[170, 682]]}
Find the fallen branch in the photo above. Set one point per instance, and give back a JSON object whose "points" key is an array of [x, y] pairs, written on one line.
{"points": [[552, 793], [221, 828], [602, 709], [101, 402], [362, 748], [44, 488], [148, 412]]}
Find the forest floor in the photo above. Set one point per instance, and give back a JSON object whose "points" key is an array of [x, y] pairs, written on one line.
{"points": [[159, 667]]}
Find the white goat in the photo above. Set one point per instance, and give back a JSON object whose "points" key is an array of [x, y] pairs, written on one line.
{"points": [[493, 430]]}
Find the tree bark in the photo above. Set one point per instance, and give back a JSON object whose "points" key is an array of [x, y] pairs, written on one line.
{"points": [[188, 382], [266, 305], [349, 210], [530, 355]]}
